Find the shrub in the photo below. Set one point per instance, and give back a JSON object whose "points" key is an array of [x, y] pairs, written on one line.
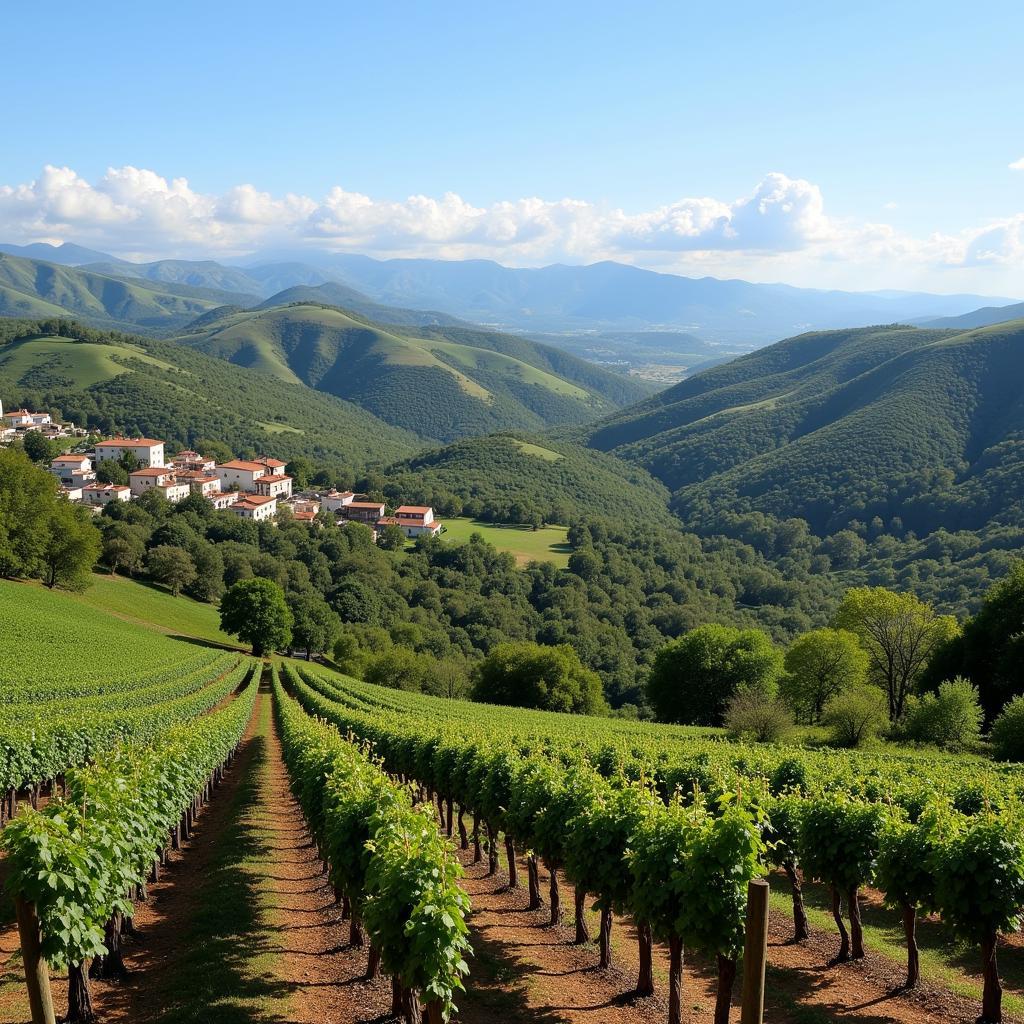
{"points": [[1008, 732], [750, 716], [857, 715], [950, 718]]}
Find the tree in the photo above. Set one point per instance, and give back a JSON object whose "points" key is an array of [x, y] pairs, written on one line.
{"points": [[216, 450], [950, 718], [750, 716], [255, 611], [990, 650], [856, 716], [72, 547], [316, 626], [300, 470], [122, 551], [900, 633], [820, 665], [391, 538], [694, 678], [1007, 734], [37, 447], [531, 675], [111, 472], [208, 584], [172, 566], [28, 495]]}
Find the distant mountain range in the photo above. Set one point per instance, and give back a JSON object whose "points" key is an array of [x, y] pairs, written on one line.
{"points": [[608, 298], [984, 317]]}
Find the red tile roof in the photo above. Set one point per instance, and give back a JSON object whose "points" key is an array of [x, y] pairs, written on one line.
{"points": [[153, 471], [388, 521], [128, 442], [413, 510], [364, 505], [272, 463], [248, 467]]}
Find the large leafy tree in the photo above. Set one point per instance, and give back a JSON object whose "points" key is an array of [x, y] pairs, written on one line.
{"points": [[820, 665], [28, 496], [172, 566], [534, 676], [900, 633], [255, 611], [990, 650], [72, 547], [316, 626], [694, 678]]}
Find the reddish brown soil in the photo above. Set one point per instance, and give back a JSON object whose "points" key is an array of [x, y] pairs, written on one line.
{"points": [[289, 959]]}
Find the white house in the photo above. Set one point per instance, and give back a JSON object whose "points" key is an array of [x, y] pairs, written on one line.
{"points": [[66, 467], [147, 479], [201, 483], [335, 500], [274, 467], [72, 493], [240, 474], [22, 419], [417, 520], [274, 485], [255, 506], [145, 449], [103, 494], [221, 500], [189, 461]]}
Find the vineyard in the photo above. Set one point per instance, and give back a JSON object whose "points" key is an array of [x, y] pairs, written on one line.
{"points": [[412, 831]]}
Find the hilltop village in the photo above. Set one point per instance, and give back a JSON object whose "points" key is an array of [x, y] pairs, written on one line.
{"points": [[255, 489]]}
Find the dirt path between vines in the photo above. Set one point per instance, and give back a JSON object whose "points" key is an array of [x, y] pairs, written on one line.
{"points": [[525, 971]]}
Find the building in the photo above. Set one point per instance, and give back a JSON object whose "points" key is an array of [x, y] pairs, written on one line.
{"points": [[240, 474], [147, 451], [221, 500], [274, 485], [363, 511], [417, 520], [188, 461], [202, 483], [22, 419], [71, 492], [103, 494], [66, 467], [149, 478], [254, 506], [335, 501], [274, 467]]}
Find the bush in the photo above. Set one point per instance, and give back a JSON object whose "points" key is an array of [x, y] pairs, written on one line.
{"points": [[1007, 733], [857, 716], [750, 716], [950, 718]]}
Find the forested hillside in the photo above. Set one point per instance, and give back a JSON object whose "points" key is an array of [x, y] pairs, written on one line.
{"points": [[440, 382], [113, 382], [902, 443]]}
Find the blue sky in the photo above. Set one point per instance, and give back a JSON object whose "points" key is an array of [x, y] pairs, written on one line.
{"points": [[897, 122]]}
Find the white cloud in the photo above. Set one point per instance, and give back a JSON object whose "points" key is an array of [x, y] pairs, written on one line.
{"points": [[779, 230], [1017, 165]]}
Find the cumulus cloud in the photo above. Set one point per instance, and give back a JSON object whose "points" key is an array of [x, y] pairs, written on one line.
{"points": [[782, 222], [1017, 165]]}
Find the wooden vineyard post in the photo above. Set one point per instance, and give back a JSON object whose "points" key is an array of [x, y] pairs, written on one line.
{"points": [[37, 977], [755, 952]]}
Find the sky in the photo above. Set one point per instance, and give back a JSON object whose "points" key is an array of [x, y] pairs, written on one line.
{"points": [[869, 145]]}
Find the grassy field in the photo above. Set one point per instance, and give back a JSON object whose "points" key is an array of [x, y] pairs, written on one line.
{"points": [[548, 544], [85, 363], [150, 606]]}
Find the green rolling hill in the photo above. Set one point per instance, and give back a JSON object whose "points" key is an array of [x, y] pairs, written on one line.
{"points": [[502, 474], [35, 289], [442, 382], [921, 427], [114, 382]]}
